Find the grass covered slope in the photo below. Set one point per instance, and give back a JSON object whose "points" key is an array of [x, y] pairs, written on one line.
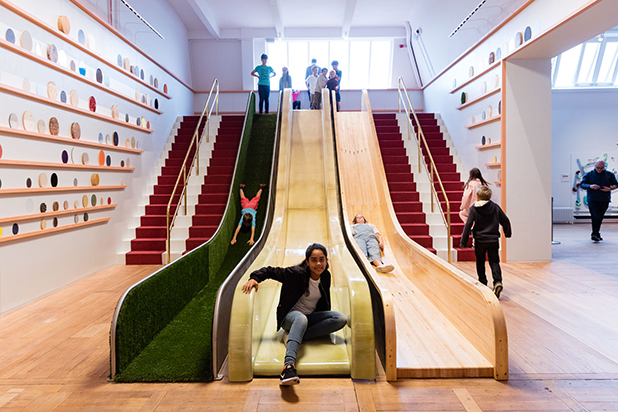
{"points": [[182, 351]]}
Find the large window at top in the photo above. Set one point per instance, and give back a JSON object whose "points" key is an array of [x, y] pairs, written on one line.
{"points": [[590, 64], [365, 64]]}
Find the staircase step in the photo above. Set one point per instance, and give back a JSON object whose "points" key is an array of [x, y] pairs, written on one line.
{"points": [[385, 116], [407, 207], [437, 151], [411, 218], [210, 209], [387, 129], [382, 136], [163, 199], [160, 210], [384, 144], [405, 196], [425, 241], [393, 151], [397, 168], [414, 229], [396, 160], [220, 170], [428, 129], [465, 254], [153, 220], [402, 187], [226, 161], [192, 243], [207, 220], [208, 198], [151, 232], [399, 178], [143, 258], [225, 145], [167, 189], [153, 245], [202, 231]]}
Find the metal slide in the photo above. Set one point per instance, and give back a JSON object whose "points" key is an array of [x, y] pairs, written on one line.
{"points": [[306, 211]]}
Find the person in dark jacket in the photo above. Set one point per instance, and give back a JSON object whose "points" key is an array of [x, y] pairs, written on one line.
{"points": [[304, 304], [599, 184], [486, 216]]}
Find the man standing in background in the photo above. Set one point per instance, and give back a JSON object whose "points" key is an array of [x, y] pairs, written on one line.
{"points": [[309, 72], [599, 183], [335, 65]]}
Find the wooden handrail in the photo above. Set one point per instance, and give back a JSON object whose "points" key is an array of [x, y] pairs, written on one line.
{"points": [[431, 170], [184, 173]]}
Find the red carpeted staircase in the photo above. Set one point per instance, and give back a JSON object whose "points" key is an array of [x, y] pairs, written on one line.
{"points": [[405, 198], [215, 190], [391, 145], [149, 244]]}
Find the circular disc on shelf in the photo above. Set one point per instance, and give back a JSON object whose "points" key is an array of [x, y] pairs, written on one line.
{"points": [[136, 70], [42, 180], [76, 131], [54, 180], [38, 50], [108, 160], [165, 88], [10, 35], [511, 44], [64, 25], [498, 53], [65, 205], [41, 126], [76, 206], [138, 121], [109, 200], [92, 104], [495, 159], [0, 157], [74, 158], [40, 90], [43, 224], [28, 121], [54, 126], [156, 104], [489, 140], [65, 157], [483, 140], [148, 125], [471, 71], [126, 64], [15, 228], [108, 139], [119, 60], [496, 81], [151, 80], [82, 68], [128, 162], [143, 121], [55, 206], [26, 40], [518, 39], [483, 116], [116, 138], [115, 111], [74, 98], [499, 174], [500, 107], [143, 98], [75, 182], [85, 217], [85, 201], [484, 87], [91, 42], [464, 97], [52, 91], [101, 157], [127, 143], [141, 74], [85, 158], [137, 94], [13, 121], [94, 179], [93, 200], [52, 53], [122, 163], [489, 111], [62, 58], [73, 66], [492, 58], [81, 37], [100, 137], [55, 222], [137, 145], [28, 183], [126, 117], [99, 76], [43, 208], [156, 83], [454, 83], [25, 85], [106, 80], [527, 33], [63, 96]]}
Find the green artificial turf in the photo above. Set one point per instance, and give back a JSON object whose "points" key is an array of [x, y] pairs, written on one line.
{"points": [[182, 351]]}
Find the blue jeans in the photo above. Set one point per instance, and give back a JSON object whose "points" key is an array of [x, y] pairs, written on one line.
{"points": [[304, 327], [264, 92]]}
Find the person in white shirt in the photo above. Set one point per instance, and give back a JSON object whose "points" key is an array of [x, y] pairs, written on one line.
{"points": [[311, 82]]}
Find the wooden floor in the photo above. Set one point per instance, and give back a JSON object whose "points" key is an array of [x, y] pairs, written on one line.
{"points": [[563, 338]]}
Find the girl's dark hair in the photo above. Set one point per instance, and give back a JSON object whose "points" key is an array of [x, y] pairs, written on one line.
{"points": [[247, 219], [475, 173], [354, 220], [263, 56], [309, 251]]}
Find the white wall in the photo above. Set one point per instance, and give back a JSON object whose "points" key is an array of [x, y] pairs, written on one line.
{"points": [[584, 125], [33, 268], [216, 59]]}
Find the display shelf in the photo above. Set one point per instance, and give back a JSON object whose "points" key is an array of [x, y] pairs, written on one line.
{"points": [[44, 190], [46, 62], [36, 216], [478, 99], [67, 140], [489, 146], [76, 44], [473, 78], [52, 230], [498, 182], [46, 165], [483, 122], [493, 165], [68, 106]]}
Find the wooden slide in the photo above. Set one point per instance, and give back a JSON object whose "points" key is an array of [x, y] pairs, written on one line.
{"points": [[306, 212], [438, 321]]}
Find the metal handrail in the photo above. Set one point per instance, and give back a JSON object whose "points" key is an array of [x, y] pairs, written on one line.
{"points": [[430, 170], [196, 140]]}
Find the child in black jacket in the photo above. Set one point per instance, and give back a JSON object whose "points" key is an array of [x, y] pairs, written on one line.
{"points": [[486, 216]]}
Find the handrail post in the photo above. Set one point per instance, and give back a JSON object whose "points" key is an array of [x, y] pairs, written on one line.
{"points": [[168, 247], [448, 229], [184, 169]]}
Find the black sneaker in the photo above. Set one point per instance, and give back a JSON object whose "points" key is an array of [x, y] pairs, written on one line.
{"points": [[242, 185], [498, 289], [595, 238], [289, 376]]}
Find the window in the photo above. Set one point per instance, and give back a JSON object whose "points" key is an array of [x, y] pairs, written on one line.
{"points": [[365, 64]]}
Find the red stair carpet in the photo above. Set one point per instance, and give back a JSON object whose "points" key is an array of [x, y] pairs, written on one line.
{"points": [[391, 145], [149, 244]]}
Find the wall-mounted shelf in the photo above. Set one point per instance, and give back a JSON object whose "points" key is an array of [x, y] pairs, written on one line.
{"points": [[478, 99], [489, 146], [67, 72], [46, 165], [47, 215], [484, 122], [60, 35], [473, 78], [493, 165], [44, 190], [498, 182], [67, 140], [67, 106], [52, 230]]}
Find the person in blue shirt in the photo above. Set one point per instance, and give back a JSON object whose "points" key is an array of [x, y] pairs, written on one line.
{"points": [[599, 184], [263, 73], [248, 212]]}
